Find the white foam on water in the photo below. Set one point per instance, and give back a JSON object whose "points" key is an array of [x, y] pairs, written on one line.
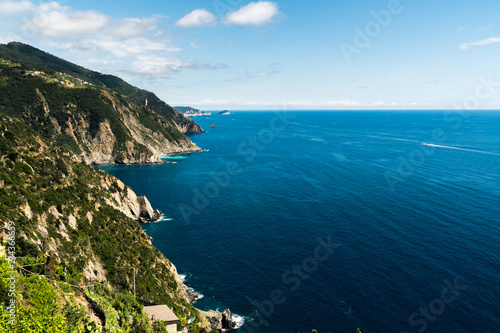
{"points": [[164, 218], [185, 276], [200, 296], [239, 320]]}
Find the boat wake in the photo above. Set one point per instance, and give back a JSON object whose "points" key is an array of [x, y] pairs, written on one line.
{"points": [[462, 149]]}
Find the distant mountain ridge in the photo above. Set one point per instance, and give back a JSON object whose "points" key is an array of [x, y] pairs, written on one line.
{"points": [[100, 118], [184, 109], [191, 112]]}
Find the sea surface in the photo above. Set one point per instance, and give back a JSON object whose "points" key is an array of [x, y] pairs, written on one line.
{"points": [[336, 220]]}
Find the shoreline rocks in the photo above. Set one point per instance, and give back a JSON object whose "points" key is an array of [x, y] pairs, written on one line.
{"points": [[220, 320], [146, 212], [126, 200], [192, 296]]}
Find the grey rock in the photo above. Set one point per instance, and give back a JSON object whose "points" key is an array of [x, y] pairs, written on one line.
{"points": [[227, 320], [220, 321]]}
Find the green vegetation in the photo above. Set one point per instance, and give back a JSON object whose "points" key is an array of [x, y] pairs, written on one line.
{"points": [[184, 109], [34, 59], [73, 117], [63, 205]]}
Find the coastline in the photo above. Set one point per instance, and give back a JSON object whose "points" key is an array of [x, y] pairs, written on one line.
{"points": [[214, 319], [141, 210], [153, 160]]}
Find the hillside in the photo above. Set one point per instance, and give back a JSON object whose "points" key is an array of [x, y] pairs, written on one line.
{"points": [[184, 109], [83, 217], [191, 112], [35, 59], [99, 125]]}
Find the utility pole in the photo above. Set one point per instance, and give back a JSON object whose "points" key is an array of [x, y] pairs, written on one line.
{"points": [[134, 281]]}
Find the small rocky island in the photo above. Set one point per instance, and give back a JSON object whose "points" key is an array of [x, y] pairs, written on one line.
{"points": [[224, 113]]}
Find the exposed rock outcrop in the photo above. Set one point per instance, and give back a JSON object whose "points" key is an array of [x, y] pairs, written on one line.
{"points": [[106, 122], [191, 296], [126, 201], [220, 320], [227, 320], [188, 126]]}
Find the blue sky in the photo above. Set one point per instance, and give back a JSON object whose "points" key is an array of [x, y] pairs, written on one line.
{"points": [[278, 55]]}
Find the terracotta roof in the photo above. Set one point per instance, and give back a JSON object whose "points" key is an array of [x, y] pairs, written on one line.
{"points": [[161, 312]]}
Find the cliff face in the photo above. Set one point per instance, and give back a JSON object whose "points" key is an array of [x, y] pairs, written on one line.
{"points": [[86, 218], [30, 58], [126, 201], [97, 124], [188, 126], [183, 123]]}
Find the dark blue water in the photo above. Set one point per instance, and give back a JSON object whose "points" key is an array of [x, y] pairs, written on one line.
{"points": [[406, 217]]}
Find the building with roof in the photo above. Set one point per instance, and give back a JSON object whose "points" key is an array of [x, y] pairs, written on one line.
{"points": [[163, 312]]}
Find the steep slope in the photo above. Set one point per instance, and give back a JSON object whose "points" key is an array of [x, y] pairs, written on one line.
{"points": [[185, 109], [36, 59], [97, 124], [83, 217]]}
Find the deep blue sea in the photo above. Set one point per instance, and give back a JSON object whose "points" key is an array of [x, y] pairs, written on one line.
{"points": [[337, 220]]}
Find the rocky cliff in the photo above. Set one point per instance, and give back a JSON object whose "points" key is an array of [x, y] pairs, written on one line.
{"points": [[85, 221], [100, 118], [33, 58], [221, 321], [126, 201]]}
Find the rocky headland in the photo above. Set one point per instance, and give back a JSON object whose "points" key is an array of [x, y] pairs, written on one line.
{"points": [[86, 218]]}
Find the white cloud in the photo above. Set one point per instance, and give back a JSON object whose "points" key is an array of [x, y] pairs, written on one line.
{"points": [[198, 17], [131, 46], [204, 66], [483, 29], [54, 20], [194, 45], [155, 65], [323, 103], [209, 102], [467, 46], [133, 27], [300, 103], [309, 104], [260, 74], [5, 39], [127, 46], [255, 13], [8, 7]]}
